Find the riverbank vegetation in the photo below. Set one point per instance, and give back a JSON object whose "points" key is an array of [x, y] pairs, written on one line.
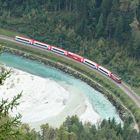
{"points": [[72, 129], [11, 128], [46, 57], [105, 31]]}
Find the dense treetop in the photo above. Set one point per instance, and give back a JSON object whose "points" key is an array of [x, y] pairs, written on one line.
{"points": [[106, 31], [11, 128]]}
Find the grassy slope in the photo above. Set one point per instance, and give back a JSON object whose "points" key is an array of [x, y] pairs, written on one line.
{"points": [[137, 90], [13, 34], [9, 33], [93, 74]]}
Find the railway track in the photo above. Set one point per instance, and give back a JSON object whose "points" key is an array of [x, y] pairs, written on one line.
{"points": [[123, 86]]}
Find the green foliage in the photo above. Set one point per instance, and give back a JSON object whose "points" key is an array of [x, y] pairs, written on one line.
{"points": [[105, 31], [100, 26], [9, 125], [73, 129], [79, 25], [3, 76], [46, 56]]}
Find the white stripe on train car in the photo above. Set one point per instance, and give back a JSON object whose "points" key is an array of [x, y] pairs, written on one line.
{"points": [[90, 63], [39, 44], [104, 71]]}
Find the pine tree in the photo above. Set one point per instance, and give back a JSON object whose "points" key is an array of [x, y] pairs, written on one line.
{"points": [[119, 30], [105, 7], [9, 125], [110, 26], [100, 26]]}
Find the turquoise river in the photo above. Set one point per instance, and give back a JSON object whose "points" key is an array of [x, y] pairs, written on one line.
{"points": [[104, 108]]}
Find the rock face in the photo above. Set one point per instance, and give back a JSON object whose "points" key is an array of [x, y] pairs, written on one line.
{"points": [[123, 112]]}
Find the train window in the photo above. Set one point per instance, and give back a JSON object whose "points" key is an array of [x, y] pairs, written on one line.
{"points": [[58, 51], [103, 71], [90, 64], [23, 40], [40, 45]]}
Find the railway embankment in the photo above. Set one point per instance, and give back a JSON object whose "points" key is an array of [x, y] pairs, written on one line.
{"points": [[105, 82], [124, 113]]}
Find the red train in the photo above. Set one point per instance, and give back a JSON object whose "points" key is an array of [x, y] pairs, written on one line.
{"points": [[70, 55], [75, 56]]}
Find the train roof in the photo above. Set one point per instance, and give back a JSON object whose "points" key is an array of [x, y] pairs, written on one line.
{"points": [[23, 37], [41, 42], [58, 48], [75, 54], [105, 69], [90, 61]]}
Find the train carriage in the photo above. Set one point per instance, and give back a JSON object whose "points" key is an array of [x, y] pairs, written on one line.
{"points": [[90, 63], [104, 71], [116, 78], [58, 50], [23, 40], [75, 56], [41, 45]]}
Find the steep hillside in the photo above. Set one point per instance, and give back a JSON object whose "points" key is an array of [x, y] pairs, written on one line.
{"points": [[106, 31]]}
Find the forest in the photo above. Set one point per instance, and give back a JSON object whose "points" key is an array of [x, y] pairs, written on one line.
{"points": [[105, 31], [11, 128]]}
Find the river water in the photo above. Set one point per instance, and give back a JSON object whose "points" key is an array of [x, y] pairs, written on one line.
{"points": [[99, 102]]}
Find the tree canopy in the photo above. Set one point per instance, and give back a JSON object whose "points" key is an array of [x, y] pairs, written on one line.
{"points": [[78, 26]]}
